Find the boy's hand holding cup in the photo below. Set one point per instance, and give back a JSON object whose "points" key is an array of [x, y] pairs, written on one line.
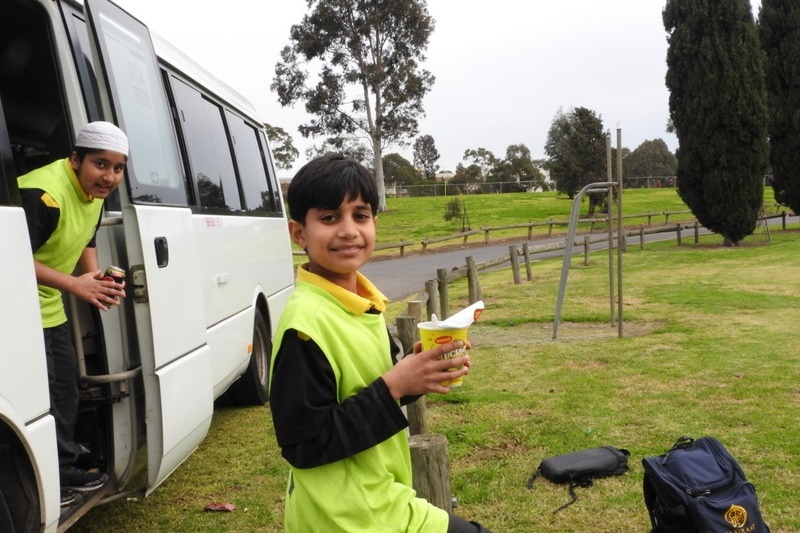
{"points": [[435, 333]]}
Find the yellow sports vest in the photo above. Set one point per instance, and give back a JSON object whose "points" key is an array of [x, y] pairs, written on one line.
{"points": [[370, 491], [76, 226]]}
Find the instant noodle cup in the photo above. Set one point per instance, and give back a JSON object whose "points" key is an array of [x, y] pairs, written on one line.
{"points": [[435, 333], [431, 338]]}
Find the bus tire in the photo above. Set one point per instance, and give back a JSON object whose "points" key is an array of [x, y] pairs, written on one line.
{"points": [[252, 388], [19, 499]]}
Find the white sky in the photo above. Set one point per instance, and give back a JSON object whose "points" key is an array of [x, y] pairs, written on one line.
{"points": [[503, 68]]}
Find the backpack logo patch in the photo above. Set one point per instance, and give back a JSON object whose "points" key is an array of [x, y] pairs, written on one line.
{"points": [[736, 516]]}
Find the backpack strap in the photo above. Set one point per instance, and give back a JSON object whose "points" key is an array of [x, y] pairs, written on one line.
{"points": [[536, 475], [574, 497], [680, 444], [582, 483]]}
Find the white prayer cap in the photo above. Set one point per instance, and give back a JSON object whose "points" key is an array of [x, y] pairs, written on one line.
{"points": [[103, 136]]}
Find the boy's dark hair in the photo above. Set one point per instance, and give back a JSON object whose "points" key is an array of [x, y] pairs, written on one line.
{"points": [[325, 182]]}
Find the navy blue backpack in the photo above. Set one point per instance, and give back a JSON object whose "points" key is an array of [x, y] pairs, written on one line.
{"points": [[697, 486]]}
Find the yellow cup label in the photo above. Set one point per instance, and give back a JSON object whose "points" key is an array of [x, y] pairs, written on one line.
{"points": [[431, 338]]}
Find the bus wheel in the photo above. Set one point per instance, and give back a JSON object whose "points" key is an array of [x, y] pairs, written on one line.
{"points": [[253, 387], [19, 500]]}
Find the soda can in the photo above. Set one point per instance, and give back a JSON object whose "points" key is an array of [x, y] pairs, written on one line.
{"points": [[115, 274]]}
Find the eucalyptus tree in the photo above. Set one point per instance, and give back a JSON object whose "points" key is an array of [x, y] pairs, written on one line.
{"points": [[356, 66], [426, 156], [284, 152], [576, 148], [651, 158]]}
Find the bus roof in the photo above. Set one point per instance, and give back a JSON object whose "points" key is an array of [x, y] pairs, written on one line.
{"points": [[180, 62]]}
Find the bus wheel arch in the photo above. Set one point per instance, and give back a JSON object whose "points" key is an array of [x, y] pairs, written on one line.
{"points": [[252, 388], [20, 508]]}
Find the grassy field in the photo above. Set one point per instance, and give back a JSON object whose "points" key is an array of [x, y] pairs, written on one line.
{"points": [[412, 219], [709, 348]]}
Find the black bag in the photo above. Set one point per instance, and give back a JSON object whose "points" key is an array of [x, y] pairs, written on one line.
{"points": [[580, 468], [697, 486]]}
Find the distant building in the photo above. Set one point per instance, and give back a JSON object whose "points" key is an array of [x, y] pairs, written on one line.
{"points": [[444, 175]]}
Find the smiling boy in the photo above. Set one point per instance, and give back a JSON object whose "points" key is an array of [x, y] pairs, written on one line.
{"points": [[335, 393], [63, 202]]}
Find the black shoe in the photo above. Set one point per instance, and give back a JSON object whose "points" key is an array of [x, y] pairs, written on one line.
{"points": [[82, 480], [69, 498]]}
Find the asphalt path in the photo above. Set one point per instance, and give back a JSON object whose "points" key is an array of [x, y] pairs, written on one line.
{"points": [[405, 276]]}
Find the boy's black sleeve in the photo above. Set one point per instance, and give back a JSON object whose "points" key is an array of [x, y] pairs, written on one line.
{"points": [[41, 218], [312, 428]]}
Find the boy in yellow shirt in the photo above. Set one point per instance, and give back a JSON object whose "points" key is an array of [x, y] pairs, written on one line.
{"points": [[336, 389], [63, 203]]}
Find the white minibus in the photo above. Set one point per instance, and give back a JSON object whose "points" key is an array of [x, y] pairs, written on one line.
{"points": [[198, 225]]}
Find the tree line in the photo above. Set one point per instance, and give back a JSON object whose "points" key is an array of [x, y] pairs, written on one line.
{"points": [[734, 90]]}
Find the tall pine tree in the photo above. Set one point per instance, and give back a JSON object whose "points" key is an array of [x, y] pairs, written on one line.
{"points": [[718, 107], [779, 28]]}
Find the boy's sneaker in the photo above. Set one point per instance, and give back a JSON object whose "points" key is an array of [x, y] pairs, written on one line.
{"points": [[82, 480], [69, 498]]}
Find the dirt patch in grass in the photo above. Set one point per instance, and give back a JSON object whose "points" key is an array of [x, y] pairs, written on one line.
{"points": [[483, 335]]}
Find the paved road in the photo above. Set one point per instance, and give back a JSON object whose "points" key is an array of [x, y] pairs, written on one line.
{"points": [[406, 276]]}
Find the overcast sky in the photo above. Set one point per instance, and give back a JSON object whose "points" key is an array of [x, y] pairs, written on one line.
{"points": [[503, 68]]}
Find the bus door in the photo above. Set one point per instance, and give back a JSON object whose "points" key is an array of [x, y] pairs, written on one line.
{"points": [[27, 430], [163, 279]]}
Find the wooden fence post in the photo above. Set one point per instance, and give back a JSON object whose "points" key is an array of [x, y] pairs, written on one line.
{"points": [[527, 255], [432, 288], [430, 469], [409, 333], [473, 282], [641, 238], [586, 250], [512, 252], [696, 232], [678, 233], [415, 309], [444, 300]]}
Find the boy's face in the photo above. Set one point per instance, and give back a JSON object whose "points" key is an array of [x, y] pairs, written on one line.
{"points": [[338, 241], [100, 173]]}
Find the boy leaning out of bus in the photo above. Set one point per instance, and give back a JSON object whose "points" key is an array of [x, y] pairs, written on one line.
{"points": [[63, 203], [335, 393]]}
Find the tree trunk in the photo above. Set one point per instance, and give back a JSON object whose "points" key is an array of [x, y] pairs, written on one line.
{"points": [[376, 147]]}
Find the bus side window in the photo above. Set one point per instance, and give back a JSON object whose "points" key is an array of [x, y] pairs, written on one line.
{"points": [[258, 195], [210, 161], [274, 186]]}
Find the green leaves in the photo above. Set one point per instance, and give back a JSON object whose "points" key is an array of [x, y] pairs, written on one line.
{"points": [[779, 29], [355, 66], [718, 108]]}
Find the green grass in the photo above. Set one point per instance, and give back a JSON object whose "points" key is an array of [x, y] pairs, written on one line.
{"points": [[414, 219], [403, 220], [709, 348]]}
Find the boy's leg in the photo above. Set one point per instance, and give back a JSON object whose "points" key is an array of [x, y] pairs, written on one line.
{"points": [[459, 525], [62, 373]]}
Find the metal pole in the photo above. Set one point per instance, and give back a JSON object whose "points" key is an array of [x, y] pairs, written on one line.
{"points": [[620, 230], [573, 222], [610, 228]]}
